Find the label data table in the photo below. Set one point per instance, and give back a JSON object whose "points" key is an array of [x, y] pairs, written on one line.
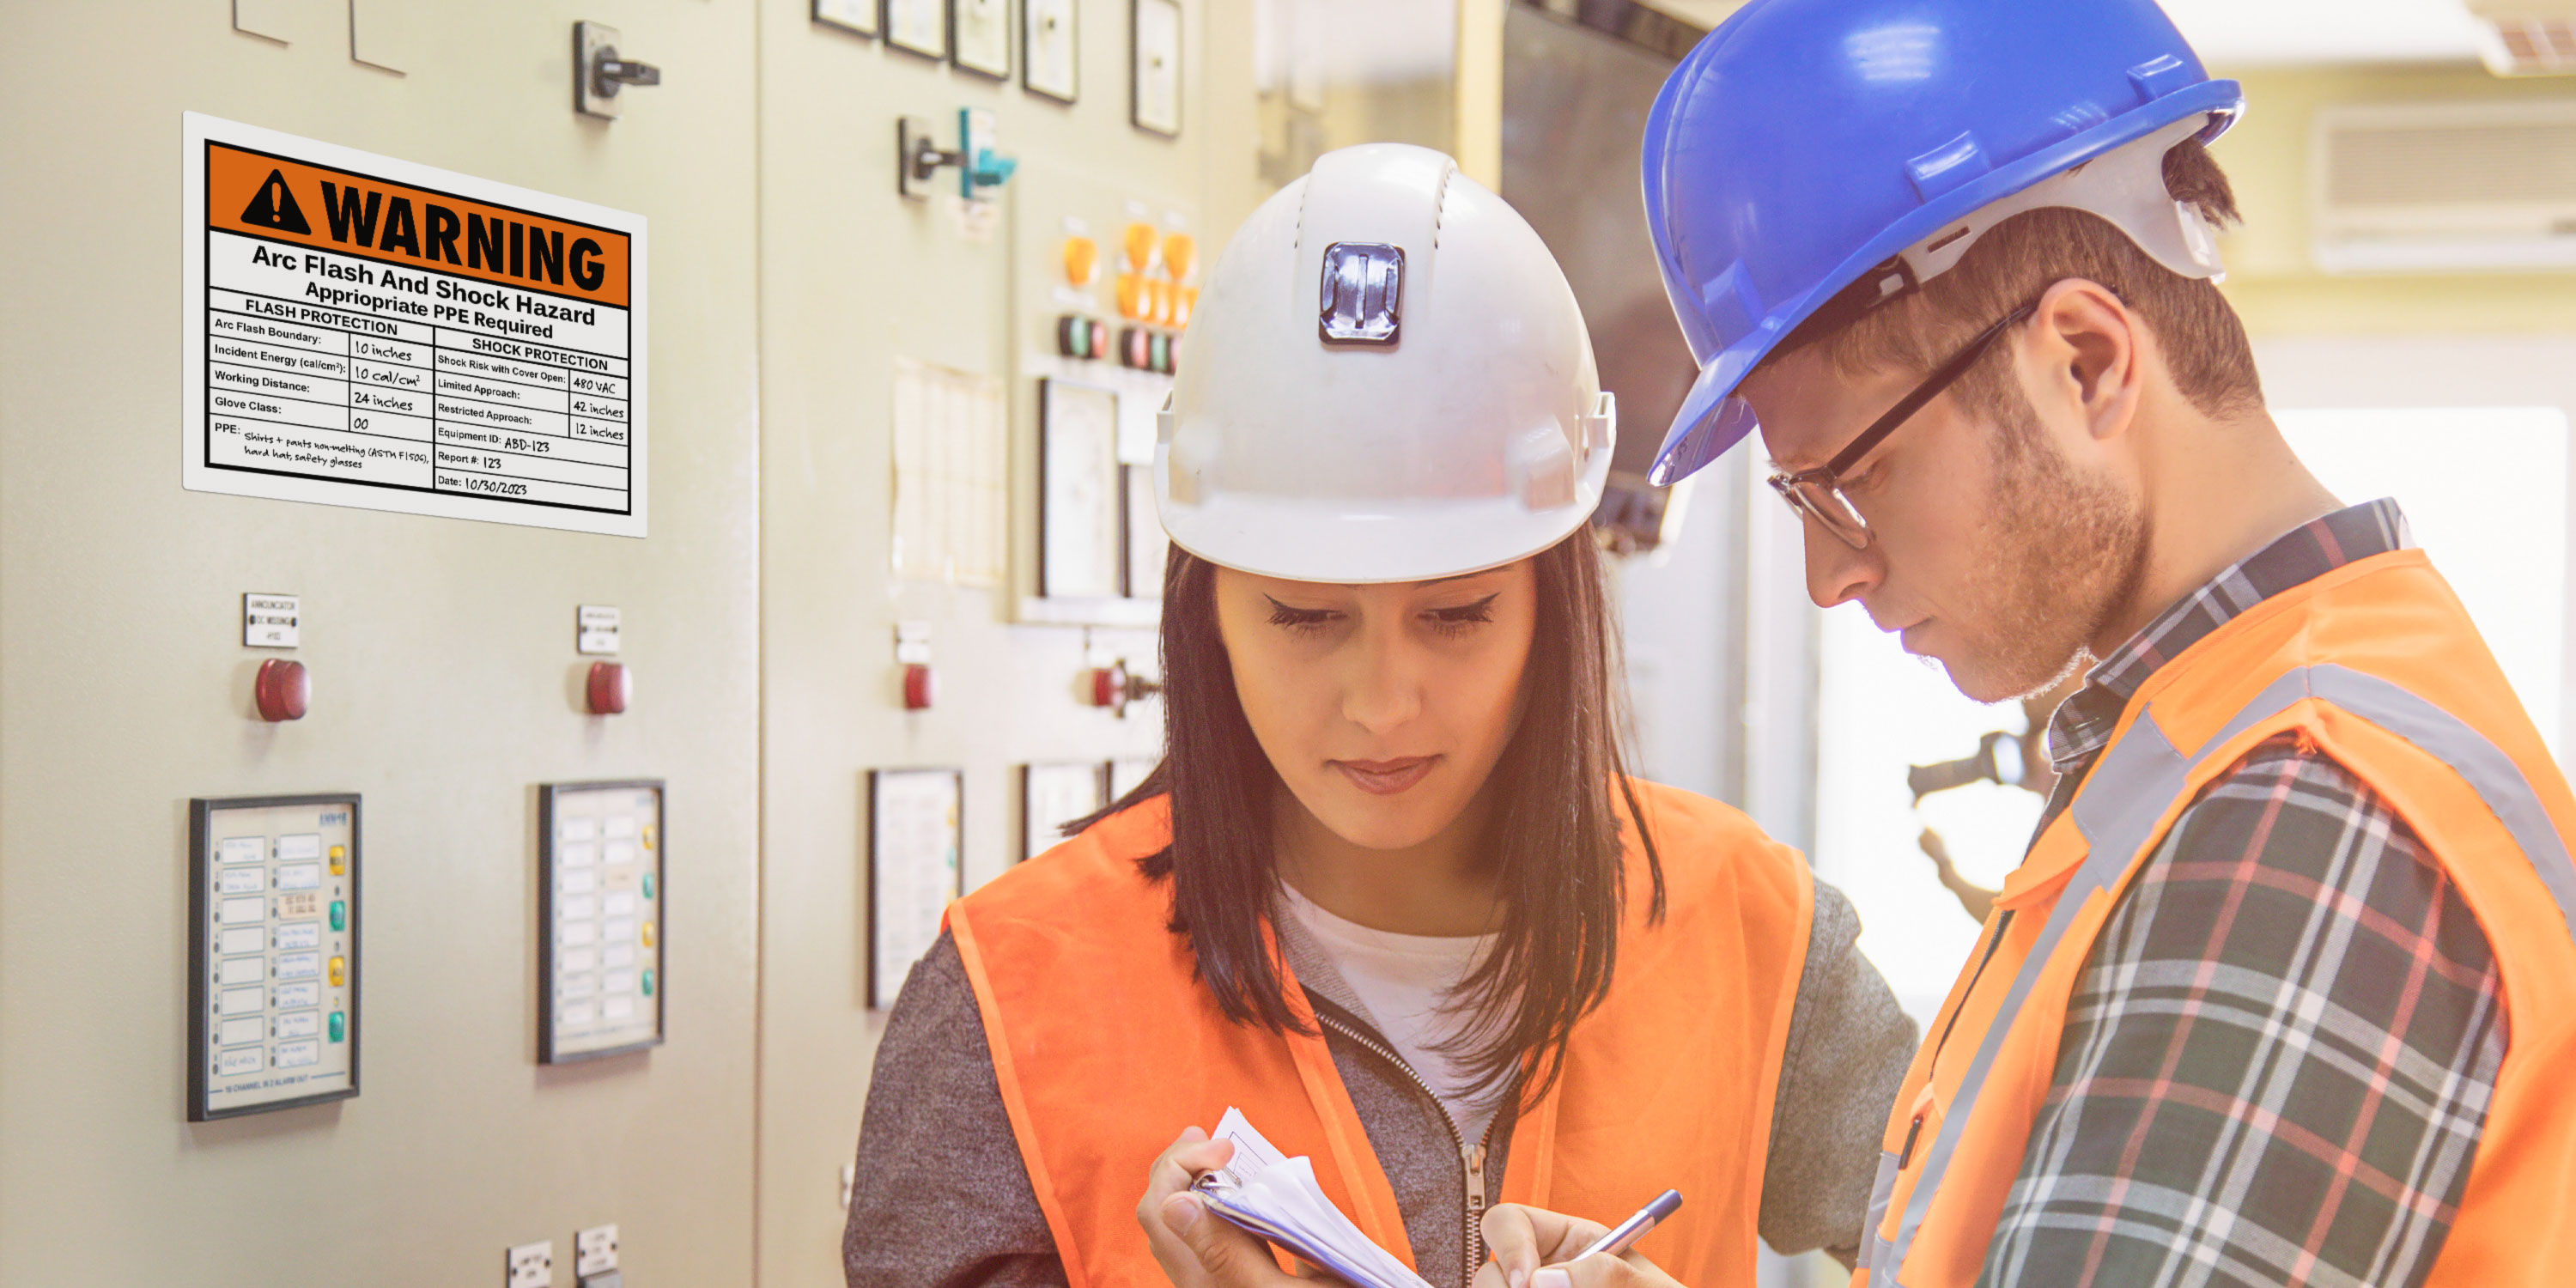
{"points": [[355, 397]]}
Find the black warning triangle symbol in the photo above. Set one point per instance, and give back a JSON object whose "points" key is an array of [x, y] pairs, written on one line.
{"points": [[275, 207]]}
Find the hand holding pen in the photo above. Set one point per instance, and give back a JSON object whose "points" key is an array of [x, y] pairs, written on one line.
{"points": [[1535, 1248]]}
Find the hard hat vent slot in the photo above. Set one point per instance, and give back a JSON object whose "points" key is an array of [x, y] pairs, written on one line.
{"points": [[1440, 205]]}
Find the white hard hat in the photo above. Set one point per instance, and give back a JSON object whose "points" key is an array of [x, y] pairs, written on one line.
{"points": [[1388, 379]]}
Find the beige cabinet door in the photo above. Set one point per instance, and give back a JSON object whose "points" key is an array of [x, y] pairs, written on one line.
{"points": [[445, 682]]}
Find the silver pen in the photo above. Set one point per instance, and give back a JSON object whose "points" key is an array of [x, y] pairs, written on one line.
{"points": [[1627, 1232]]}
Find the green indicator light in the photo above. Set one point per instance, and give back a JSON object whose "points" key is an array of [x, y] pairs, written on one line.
{"points": [[648, 983], [339, 914], [339, 1026], [648, 885]]}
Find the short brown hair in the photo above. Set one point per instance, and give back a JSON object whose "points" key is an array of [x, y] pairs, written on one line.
{"points": [[2204, 343]]}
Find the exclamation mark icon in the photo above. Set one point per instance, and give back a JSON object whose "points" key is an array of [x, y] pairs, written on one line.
{"points": [[273, 206]]}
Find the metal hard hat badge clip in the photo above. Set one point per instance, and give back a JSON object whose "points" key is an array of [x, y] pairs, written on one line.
{"points": [[1363, 293]]}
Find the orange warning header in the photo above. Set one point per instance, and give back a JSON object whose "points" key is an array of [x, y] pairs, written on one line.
{"points": [[355, 214]]}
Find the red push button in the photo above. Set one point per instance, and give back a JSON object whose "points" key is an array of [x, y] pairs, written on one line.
{"points": [[610, 688], [283, 690]]}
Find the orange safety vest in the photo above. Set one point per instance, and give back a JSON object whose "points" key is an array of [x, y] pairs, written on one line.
{"points": [[1106, 1046], [2377, 665]]}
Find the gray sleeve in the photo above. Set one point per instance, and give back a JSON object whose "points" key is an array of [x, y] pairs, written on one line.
{"points": [[1849, 1045], [942, 1199]]}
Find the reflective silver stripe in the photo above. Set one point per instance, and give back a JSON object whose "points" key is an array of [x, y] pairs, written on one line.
{"points": [[2480, 763], [2141, 774], [2128, 788], [1873, 1249]]}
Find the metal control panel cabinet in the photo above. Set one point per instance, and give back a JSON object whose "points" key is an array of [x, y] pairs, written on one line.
{"points": [[600, 900], [273, 947]]}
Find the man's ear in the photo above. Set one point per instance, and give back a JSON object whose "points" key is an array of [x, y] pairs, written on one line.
{"points": [[2093, 351]]}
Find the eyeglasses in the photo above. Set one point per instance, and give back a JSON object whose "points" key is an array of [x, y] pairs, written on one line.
{"points": [[1818, 493]]}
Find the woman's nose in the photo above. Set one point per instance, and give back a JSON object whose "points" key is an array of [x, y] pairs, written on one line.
{"points": [[1384, 689]]}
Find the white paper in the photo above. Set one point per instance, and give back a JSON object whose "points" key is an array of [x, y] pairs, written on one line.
{"points": [[1282, 1195], [1054, 796], [1082, 541], [951, 475]]}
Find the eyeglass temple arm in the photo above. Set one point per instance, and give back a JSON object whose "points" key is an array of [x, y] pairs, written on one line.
{"points": [[1930, 389]]}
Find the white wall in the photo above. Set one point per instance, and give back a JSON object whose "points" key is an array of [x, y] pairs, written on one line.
{"points": [[2428, 371]]}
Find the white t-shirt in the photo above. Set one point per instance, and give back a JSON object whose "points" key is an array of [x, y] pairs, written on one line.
{"points": [[1405, 981]]}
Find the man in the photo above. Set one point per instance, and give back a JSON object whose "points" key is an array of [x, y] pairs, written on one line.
{"points": [[2280, 993], [2272, 998]]}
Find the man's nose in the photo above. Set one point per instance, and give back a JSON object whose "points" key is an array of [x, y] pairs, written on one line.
{"points": [[1836, 573]]}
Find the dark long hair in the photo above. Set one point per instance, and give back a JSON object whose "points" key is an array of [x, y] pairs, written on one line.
{"points": [[1554, 830]]}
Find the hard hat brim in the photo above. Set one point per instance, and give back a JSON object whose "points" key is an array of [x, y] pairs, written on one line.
{"points": [[1404, 541]]}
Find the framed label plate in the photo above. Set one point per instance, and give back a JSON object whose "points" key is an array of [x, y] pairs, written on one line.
{"points": [[273, 953], [600, 902]]}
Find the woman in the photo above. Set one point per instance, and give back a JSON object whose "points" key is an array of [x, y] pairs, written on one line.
{"points": [[1391, 892]]}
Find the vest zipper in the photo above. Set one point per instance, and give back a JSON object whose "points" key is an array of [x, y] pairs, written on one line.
{"points": [[1473, 1156], [2001, 926]]}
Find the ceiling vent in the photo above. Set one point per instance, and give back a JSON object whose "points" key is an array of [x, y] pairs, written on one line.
{"points": [[2446, 188], [2527, 37]]}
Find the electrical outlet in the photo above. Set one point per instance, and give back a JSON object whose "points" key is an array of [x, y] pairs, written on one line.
{"points": [[531, 1265], [594, 1250], [849, 1183]]}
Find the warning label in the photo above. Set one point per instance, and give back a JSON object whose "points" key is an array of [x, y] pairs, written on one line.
{"points": [[364, 331]]}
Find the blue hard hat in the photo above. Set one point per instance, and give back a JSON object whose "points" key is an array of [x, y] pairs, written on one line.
{"points": [[1805, 142]]}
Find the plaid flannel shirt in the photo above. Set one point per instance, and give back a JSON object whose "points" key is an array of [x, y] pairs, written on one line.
{"points": [[2278, 1058]]}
